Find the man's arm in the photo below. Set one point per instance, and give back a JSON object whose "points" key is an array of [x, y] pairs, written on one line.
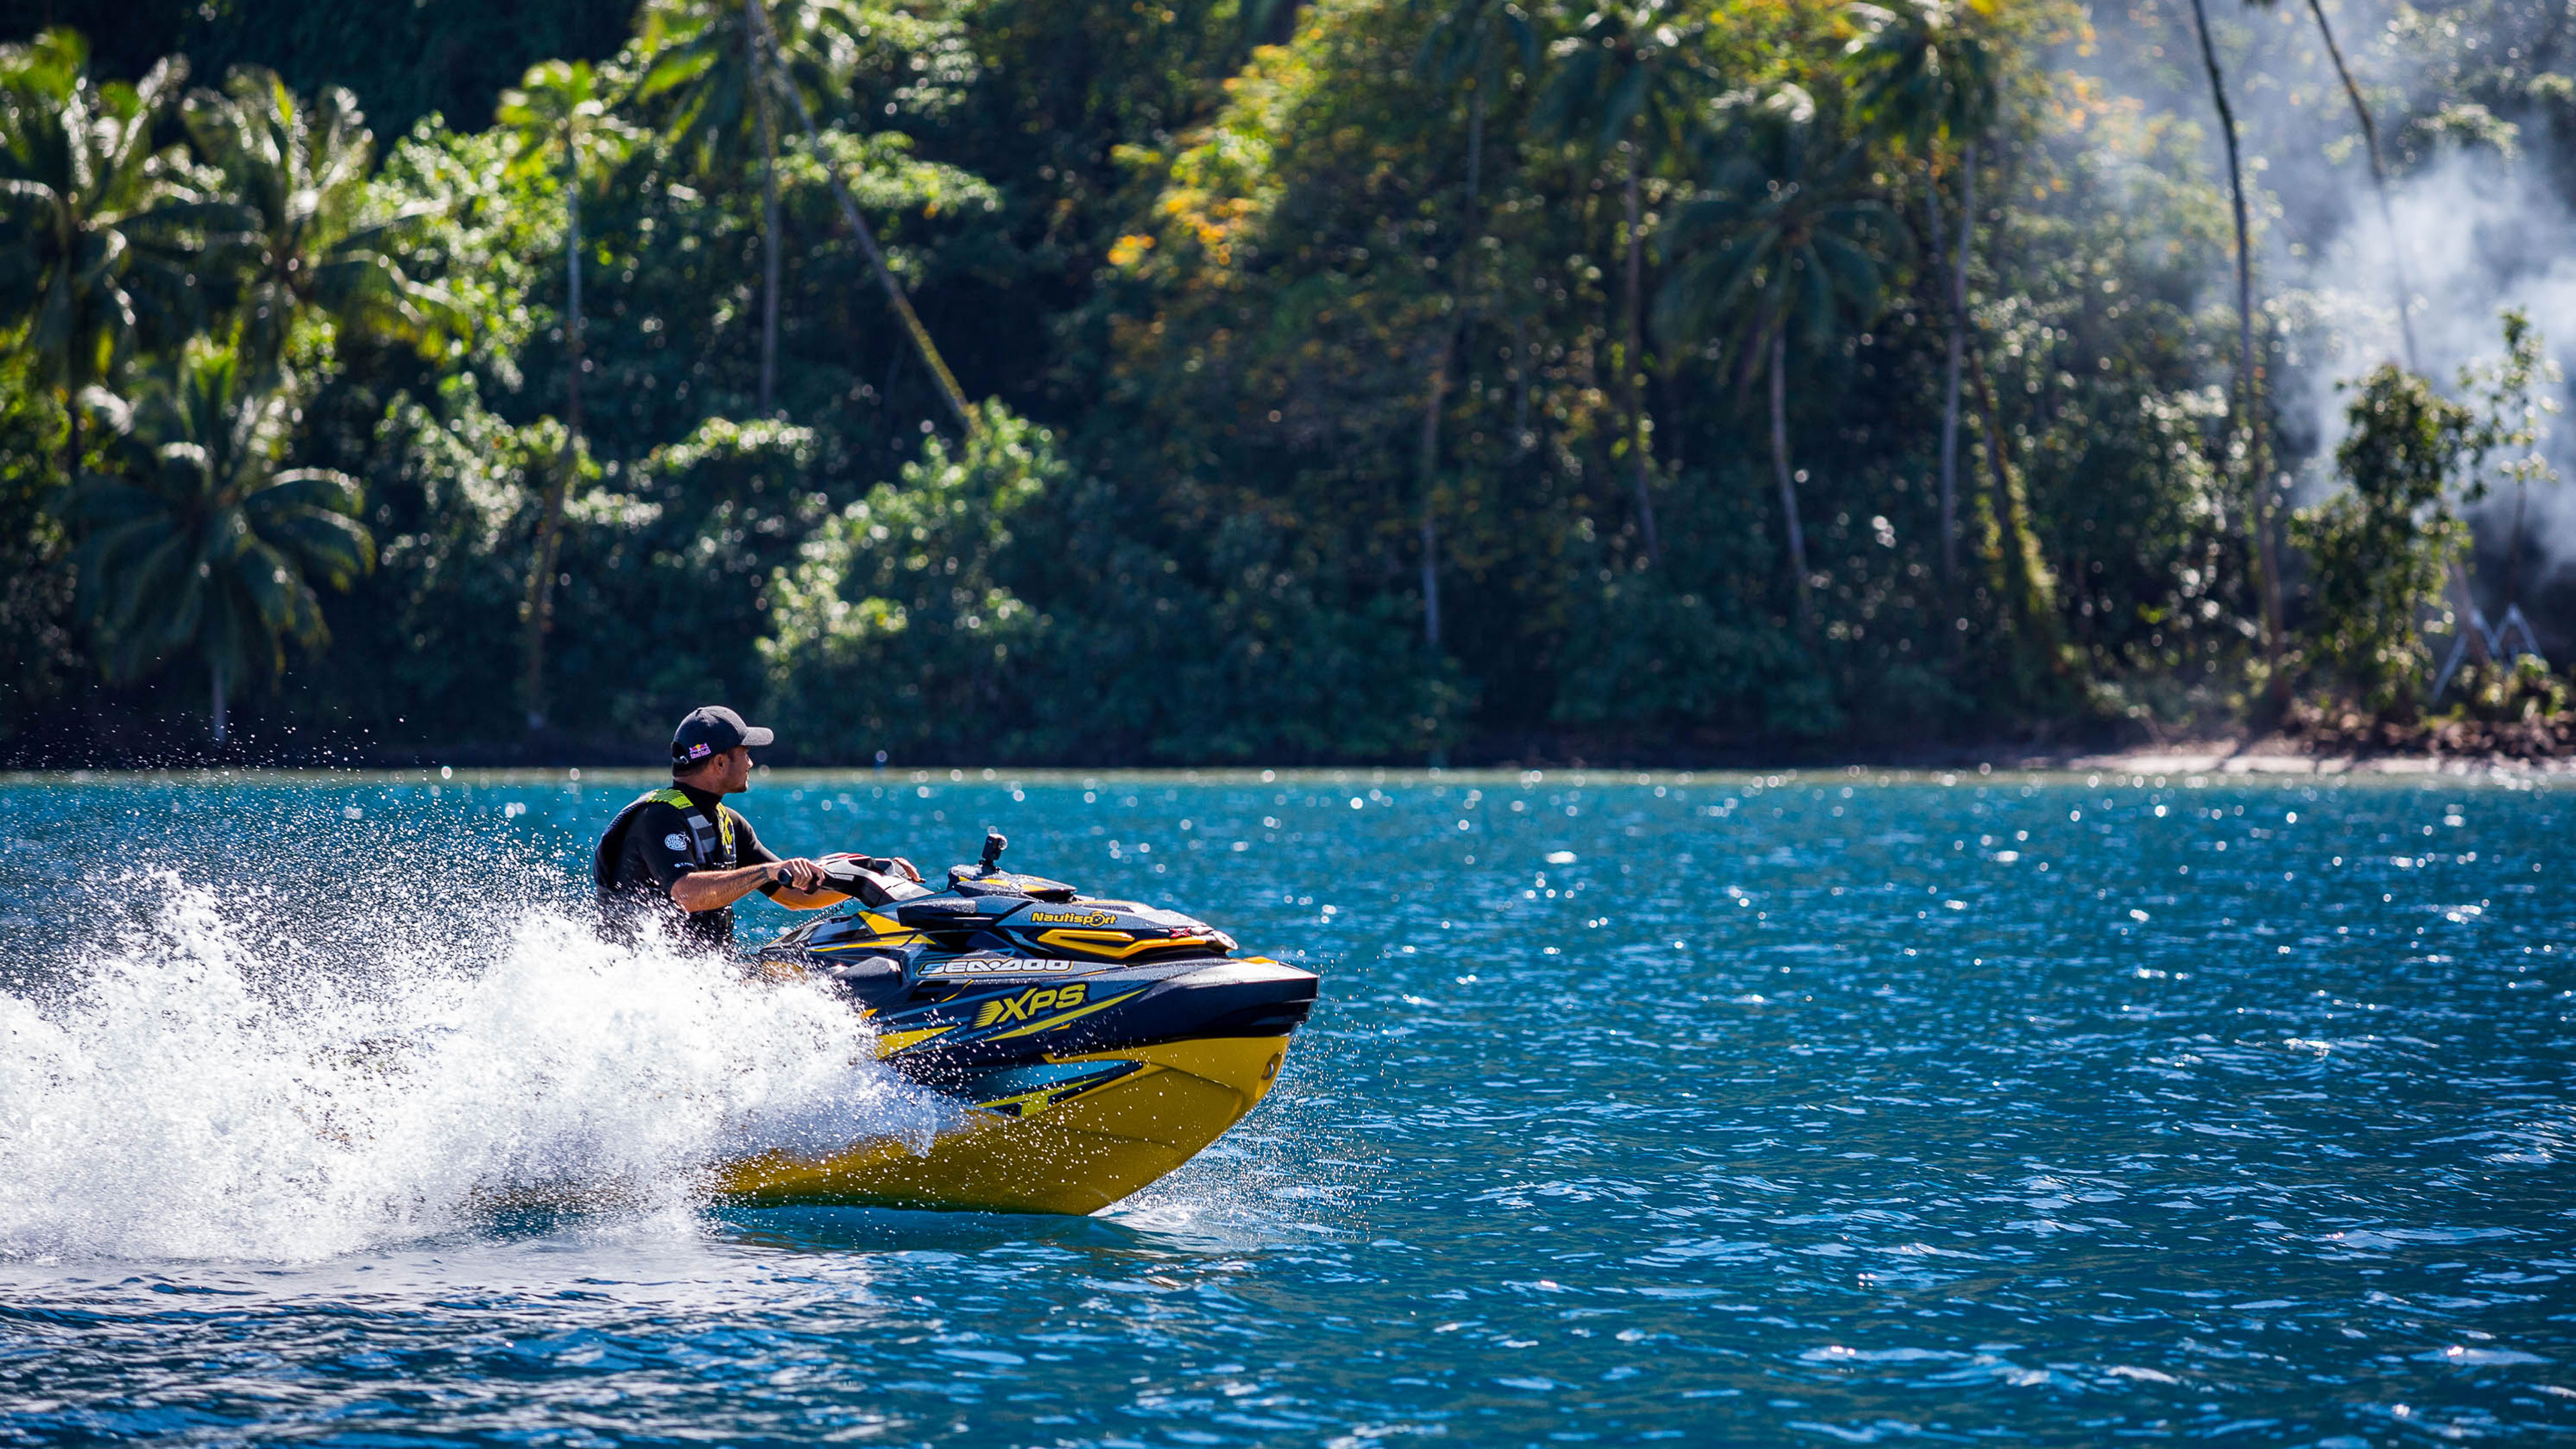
{"points": [[796, 884], [659, 841], [791, 883]]}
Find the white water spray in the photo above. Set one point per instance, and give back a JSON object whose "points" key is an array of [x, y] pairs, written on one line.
{"points": [[190, 1091]]}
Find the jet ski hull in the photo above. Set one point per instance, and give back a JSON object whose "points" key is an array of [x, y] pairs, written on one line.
{"points": [[1089, 1046], [1077, 1155]]}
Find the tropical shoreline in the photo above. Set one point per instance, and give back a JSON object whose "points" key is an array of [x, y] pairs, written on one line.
{"points": [[2440, 750], [1302, 397]]}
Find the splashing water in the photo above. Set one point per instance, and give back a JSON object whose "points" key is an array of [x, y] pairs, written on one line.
{"points": [[191, 1092]]}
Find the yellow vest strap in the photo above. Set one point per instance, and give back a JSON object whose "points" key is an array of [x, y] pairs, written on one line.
{"points": [[678, 799]]}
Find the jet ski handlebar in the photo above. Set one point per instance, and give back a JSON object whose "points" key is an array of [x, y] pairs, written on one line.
{"points": [[870, 880]]}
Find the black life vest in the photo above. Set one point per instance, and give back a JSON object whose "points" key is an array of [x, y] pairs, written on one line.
{"points": [[711, 845]]}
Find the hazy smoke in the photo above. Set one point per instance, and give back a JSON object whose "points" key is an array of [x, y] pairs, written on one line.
{"points": [[2478, 228], [2481, 232]]}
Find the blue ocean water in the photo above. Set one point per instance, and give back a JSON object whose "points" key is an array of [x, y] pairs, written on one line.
{"points": [[1795, 1109]]}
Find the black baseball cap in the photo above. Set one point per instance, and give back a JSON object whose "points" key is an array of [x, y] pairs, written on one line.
{"points": [[709, 731]]}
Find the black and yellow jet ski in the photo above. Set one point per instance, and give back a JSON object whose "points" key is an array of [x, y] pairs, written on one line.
{"points": [[1091, 1045]]}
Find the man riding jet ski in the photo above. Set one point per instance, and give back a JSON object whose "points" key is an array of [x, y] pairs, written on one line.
{"points": [[683, 854], [1090, 1046]]}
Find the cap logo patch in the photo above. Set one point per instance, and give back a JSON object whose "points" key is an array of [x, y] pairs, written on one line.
{"points": [[698, 752]]}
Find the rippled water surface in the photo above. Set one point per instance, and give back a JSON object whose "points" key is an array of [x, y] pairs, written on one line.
{"points": [[1796, 1109]]}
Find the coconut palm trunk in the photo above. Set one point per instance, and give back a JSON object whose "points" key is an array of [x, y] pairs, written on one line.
{"points": [[2028, 582], [1788, 482], [67, 242], [541, 581], [76, 380], [1427, 463], [1935, 231], [1632, 357], [763, 53], [1956, 265], [2033, 586], [2266, 568], [769, 259]]}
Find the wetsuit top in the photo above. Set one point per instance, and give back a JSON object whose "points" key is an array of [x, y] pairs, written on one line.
{"points": [[664, 836]]}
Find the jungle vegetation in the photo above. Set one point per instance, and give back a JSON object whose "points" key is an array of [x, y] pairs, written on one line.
{"points": [[1179, 381]]}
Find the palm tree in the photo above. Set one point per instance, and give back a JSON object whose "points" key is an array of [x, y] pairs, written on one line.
{"points": [[1929, 78], [717, 60], [969, 417], [294, 214], [2267, 572], [201, 543], [80, 192], [1460, 50], [2030, 586], [1797, 242], [1624, 83], [2378, 174], [559, 116], [1930, 74]]}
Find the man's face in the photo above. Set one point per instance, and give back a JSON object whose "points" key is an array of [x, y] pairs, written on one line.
{"points": [[725, 774], [733, 768]]}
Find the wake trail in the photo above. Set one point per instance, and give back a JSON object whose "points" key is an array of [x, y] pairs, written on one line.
{"points": [[216, 1080]]}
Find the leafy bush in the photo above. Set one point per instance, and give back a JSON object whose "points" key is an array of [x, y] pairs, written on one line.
{"points": [[2379, 553], [2524, 691], [992, 605], [890, 631]]}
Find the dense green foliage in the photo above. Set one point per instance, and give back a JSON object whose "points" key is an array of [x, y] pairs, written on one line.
{"points": [[1445, 378], [2381, 552]]}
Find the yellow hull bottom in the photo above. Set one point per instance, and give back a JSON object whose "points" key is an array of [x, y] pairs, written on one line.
{"points": [[1077, 1156]]}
